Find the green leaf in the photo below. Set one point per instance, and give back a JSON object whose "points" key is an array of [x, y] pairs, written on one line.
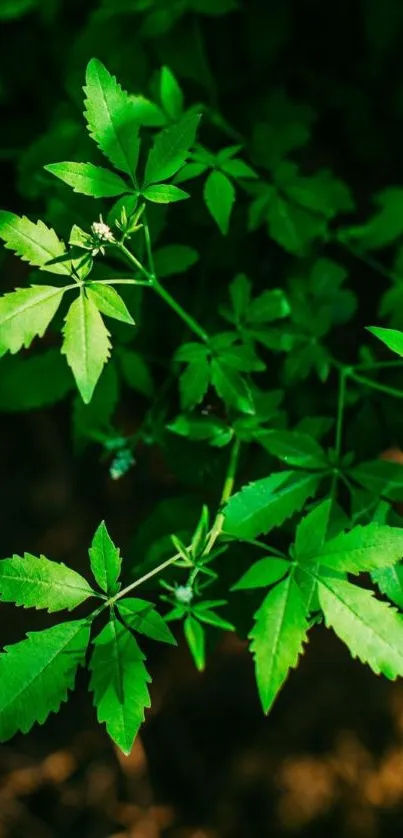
{"points": [[277, 638], [195, 638], [363, 549], [219, 195], [135, 372], [88, 179], [143, 617], [293, 227], [171, 94], [199, 428], [392, 338], [170, 150], [34, 243], [380, 477], [231, 387], [238, 169], [86, 344], [213, 619], [26, 313], [112, 118], [385, 226], [311, 531], [269, 306], [40, 583], [31, 383], [194, 383], [294, 448], [164, 193], [263, 573], [372, 630], [390, 582], [37, 673], [189, 171], [174, 259], [105, 561], [266, 503], [192, 352], [240, 292], [119, 683], [108, 301]]}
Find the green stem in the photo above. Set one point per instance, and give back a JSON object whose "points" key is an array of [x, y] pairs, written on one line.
{"points": [[339, 427], [133, 261], [375, 385], [379, 365], [175, 306], [147, 576], [226, 493], [123, 281]]}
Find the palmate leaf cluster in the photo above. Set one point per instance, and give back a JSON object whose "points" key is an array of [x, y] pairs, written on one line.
{"points": [[243, 387]]}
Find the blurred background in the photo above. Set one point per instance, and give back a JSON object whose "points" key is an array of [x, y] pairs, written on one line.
{"points": [[329, 759]]}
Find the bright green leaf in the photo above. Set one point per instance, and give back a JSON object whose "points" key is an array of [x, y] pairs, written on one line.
{"points": [[171, 94], [40, 583], [266, 503], [143, 617], [231, 387], [263, 573], [362, 549], [390, 582], [119, 683], [105, 561], [277, 638], [86, 344], [392, 338], [164, 193], [111, 117], [311, 531], [37, 673], [372, 630], [194, 383], [195, 638], [26, 313], [34, 243], [108, 301], [170, 150], [380, 477], [88, 179]]}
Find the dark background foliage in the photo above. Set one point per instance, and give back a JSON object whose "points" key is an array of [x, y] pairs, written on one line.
{"points": [[330, 756]]}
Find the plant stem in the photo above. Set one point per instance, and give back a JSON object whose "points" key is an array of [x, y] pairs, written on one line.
{"points": [[152, 282], [339, 427], [124, 281], [226, 493], [379, 365], [375, 385], [147, 576], [134, 261], [175, 306]]}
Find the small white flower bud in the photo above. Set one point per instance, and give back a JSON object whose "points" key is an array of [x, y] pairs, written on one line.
{"points": [[102, 231], [184, 594]]}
